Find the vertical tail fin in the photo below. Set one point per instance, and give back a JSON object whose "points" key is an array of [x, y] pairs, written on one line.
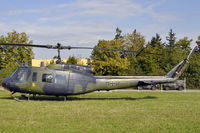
{"points": [[176, 71]]}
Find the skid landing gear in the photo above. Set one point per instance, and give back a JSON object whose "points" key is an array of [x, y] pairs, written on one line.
{"points": [[65, 98], [14, 97], [28, 97], [34, 96], [24, 96]]}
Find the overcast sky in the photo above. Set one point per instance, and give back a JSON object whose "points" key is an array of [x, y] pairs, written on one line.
{"points": [[84, 22]]}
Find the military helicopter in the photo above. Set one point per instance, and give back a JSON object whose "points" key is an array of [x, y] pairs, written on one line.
{"points": [[63, 79]]}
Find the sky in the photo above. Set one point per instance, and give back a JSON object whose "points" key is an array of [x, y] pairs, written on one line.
{"points": [[85, 22]]}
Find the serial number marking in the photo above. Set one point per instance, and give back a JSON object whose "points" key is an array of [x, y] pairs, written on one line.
{"points": [[112, 83]]}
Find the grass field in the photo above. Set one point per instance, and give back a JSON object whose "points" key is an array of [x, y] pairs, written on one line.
{"points": [[103, 112]]}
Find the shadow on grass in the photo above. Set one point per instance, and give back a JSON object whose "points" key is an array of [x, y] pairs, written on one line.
{"points": [[72, 98], [110, 98]]}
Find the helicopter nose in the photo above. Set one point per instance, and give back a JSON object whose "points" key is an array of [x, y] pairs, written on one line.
{"points": [[5, 82]]}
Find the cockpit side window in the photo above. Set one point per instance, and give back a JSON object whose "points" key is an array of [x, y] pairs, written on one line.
{"points": [[20, 75]]}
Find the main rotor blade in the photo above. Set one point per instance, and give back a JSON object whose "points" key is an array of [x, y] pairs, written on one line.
{"points": [[121, 50], [59, 47], [28, 45]]}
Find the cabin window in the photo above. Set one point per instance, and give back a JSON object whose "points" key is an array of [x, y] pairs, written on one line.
{"points": [[60, 79], [47, 78], [34, 78]]}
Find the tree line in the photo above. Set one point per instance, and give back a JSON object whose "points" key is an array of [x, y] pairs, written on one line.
{"points": [[155, 57]]}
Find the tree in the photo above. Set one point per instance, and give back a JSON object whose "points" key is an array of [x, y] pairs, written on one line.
{"points": [[9, 54], [184, 45], [171, 39], [171, 53], [151, 58], [192, 72], [108, 62], [118, 35], [156, 41], [72, 60], [134, 42]]}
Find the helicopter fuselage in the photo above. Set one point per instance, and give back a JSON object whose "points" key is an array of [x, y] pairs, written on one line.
{"points": [[61, 82]]}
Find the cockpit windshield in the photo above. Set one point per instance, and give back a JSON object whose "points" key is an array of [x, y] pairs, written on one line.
{"points": [[20, 74]]}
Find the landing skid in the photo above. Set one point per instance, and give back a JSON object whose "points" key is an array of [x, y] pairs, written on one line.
{"points": [[24, 96], [14, 97]]}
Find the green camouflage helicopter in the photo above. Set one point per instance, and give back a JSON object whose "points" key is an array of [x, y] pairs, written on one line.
{"points": [[64, 79]]}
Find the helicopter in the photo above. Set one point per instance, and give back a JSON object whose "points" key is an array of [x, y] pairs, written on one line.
{"points": [[64, 79]]}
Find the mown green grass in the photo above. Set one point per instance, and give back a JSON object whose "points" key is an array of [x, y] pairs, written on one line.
{"points": [[103, 112]]}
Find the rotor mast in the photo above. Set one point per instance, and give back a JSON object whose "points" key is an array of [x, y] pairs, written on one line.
{"points": [[59, 58]]}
